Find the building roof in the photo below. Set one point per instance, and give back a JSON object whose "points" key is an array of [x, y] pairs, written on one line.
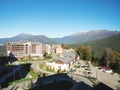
{"points": [[58, 62], [68, 56], [105, 68]]}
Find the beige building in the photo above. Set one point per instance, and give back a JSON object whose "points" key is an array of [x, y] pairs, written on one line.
{"points": [[57, 49], [25, 50]]}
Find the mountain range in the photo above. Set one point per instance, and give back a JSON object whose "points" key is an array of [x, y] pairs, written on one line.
{"points": [[28, 37], [99, 46], [77, 38], [82, 37]]}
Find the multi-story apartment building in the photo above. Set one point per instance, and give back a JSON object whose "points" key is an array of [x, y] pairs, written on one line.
{"points": [[36, 50], [25, 49]]}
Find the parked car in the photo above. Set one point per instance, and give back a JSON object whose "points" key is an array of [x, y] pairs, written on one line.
{"points": [[88, 69], [89, 72], [115, 74], [93, 78]]}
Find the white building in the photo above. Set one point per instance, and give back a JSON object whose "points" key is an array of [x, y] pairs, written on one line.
{"points": [[106, 69], [65, 63], [48, 48]]}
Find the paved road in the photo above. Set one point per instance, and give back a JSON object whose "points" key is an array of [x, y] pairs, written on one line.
{"points": [[106, 78], [35, 66], [79, 81]]}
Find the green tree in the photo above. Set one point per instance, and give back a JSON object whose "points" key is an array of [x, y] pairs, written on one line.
{"points": [[85, 52], [108, 57], [116, 64], [88, 53], [64, 46], [94, 59], [117, 56], [80, 51]]}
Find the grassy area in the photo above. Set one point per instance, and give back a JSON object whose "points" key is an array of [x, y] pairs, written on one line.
{"points": [[31, 60], [44, 67], [57, 85], [20, 81], [25, 60], [33, 75]]}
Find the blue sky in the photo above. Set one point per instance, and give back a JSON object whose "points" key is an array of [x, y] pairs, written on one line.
{"points": [[57, 18]]}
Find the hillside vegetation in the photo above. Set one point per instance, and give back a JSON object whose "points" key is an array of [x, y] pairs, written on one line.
{"points": [[104, 52], [98, 46]]}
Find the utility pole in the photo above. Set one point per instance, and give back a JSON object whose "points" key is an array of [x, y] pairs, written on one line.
{"points": [[14, 73], [0, 87], [96, 76]]}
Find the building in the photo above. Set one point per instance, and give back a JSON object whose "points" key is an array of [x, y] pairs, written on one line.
{"points": [[47, 48], [64, 63], [24, 49], [106, 69], [2, 49], [36, 50], [57, 49]]}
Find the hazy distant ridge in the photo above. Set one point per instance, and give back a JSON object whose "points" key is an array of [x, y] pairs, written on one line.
{"points": [[80, 37], [86, 36]]}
